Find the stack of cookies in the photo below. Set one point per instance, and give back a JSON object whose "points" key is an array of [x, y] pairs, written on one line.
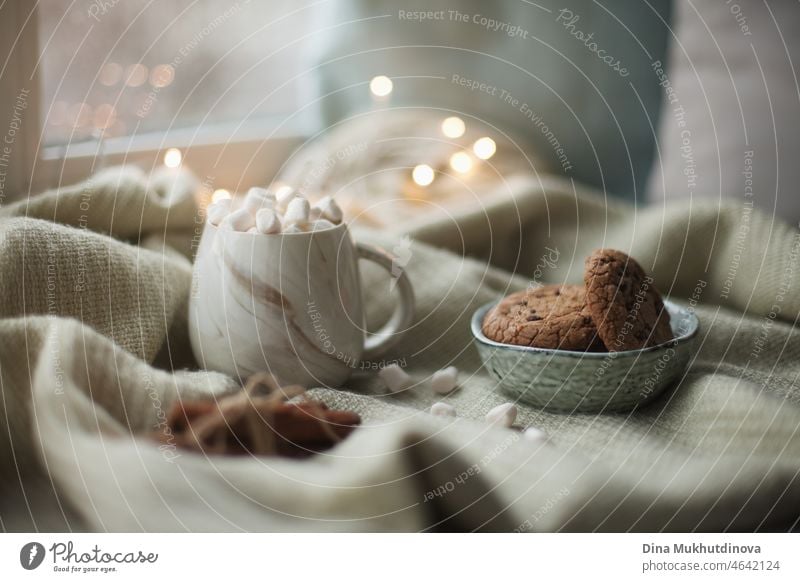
{"points": [[616, 309]]}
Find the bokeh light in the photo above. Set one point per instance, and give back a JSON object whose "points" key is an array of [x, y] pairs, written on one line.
{"points": [[423, 174], [110, 74], [484, 148], [461, 162], [453, 127], [135, 75], [162, 76], [220, 194], [381, 86], [173, 158]]}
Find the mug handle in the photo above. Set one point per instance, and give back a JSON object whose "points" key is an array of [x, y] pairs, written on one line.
{"points": [[376, 344]]}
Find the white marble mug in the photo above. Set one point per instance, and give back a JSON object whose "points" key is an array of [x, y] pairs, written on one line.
{"points": [[289, 304]]}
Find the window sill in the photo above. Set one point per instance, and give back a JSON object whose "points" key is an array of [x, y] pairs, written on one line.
{"points": [[231, 156]]}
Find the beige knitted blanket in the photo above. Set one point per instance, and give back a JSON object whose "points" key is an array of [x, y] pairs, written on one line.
{"points": [[94, 287]]}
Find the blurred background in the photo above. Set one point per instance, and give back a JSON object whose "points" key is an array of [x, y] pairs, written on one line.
{"points": [[134, 67], [646, 102], [128, 67]]}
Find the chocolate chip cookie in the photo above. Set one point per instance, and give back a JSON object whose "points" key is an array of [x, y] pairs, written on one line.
{"points": [[552, 316], [625, 306]]}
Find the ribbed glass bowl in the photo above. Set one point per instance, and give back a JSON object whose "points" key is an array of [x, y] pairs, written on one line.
{"points": [[567, 381]]}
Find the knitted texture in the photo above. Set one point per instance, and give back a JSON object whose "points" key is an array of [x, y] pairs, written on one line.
{"points": [[93, 304]]}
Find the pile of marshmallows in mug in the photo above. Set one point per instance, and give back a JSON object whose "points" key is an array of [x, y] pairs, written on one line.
{"points": [[264, 212]]}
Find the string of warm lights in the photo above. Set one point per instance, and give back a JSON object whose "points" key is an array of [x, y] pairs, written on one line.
{"points": [[460, 161], [452, 127]]}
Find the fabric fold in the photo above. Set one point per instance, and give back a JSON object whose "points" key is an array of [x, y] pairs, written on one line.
{"points": [[94, 349]]}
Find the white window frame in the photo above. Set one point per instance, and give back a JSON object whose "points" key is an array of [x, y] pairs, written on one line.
{"points": [[233, 156]]}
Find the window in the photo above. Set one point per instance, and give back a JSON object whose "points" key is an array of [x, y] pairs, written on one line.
{"points": [[121, 81], [135, 67]]}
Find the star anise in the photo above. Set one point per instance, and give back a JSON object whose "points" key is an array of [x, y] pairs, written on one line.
{"points": [[260, 419]]}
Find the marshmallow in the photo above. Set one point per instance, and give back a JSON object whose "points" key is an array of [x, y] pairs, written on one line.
{"points": [[293, 229], [315, 213], [330, 210], [534, 434], [442, 409], [217, 211], [297, 213], [258, 198], [267, 221], [283, 198], [252, 230], [239, 220], [395, 378], [503, 415], [444, 381]]}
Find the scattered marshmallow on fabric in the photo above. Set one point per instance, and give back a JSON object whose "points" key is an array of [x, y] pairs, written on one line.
{"points": [[502, 415], [267, 221], [395, 378], [217, 211], [239, 220], [445, 381], [330, 210], [443, 409], [534, 434]]}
